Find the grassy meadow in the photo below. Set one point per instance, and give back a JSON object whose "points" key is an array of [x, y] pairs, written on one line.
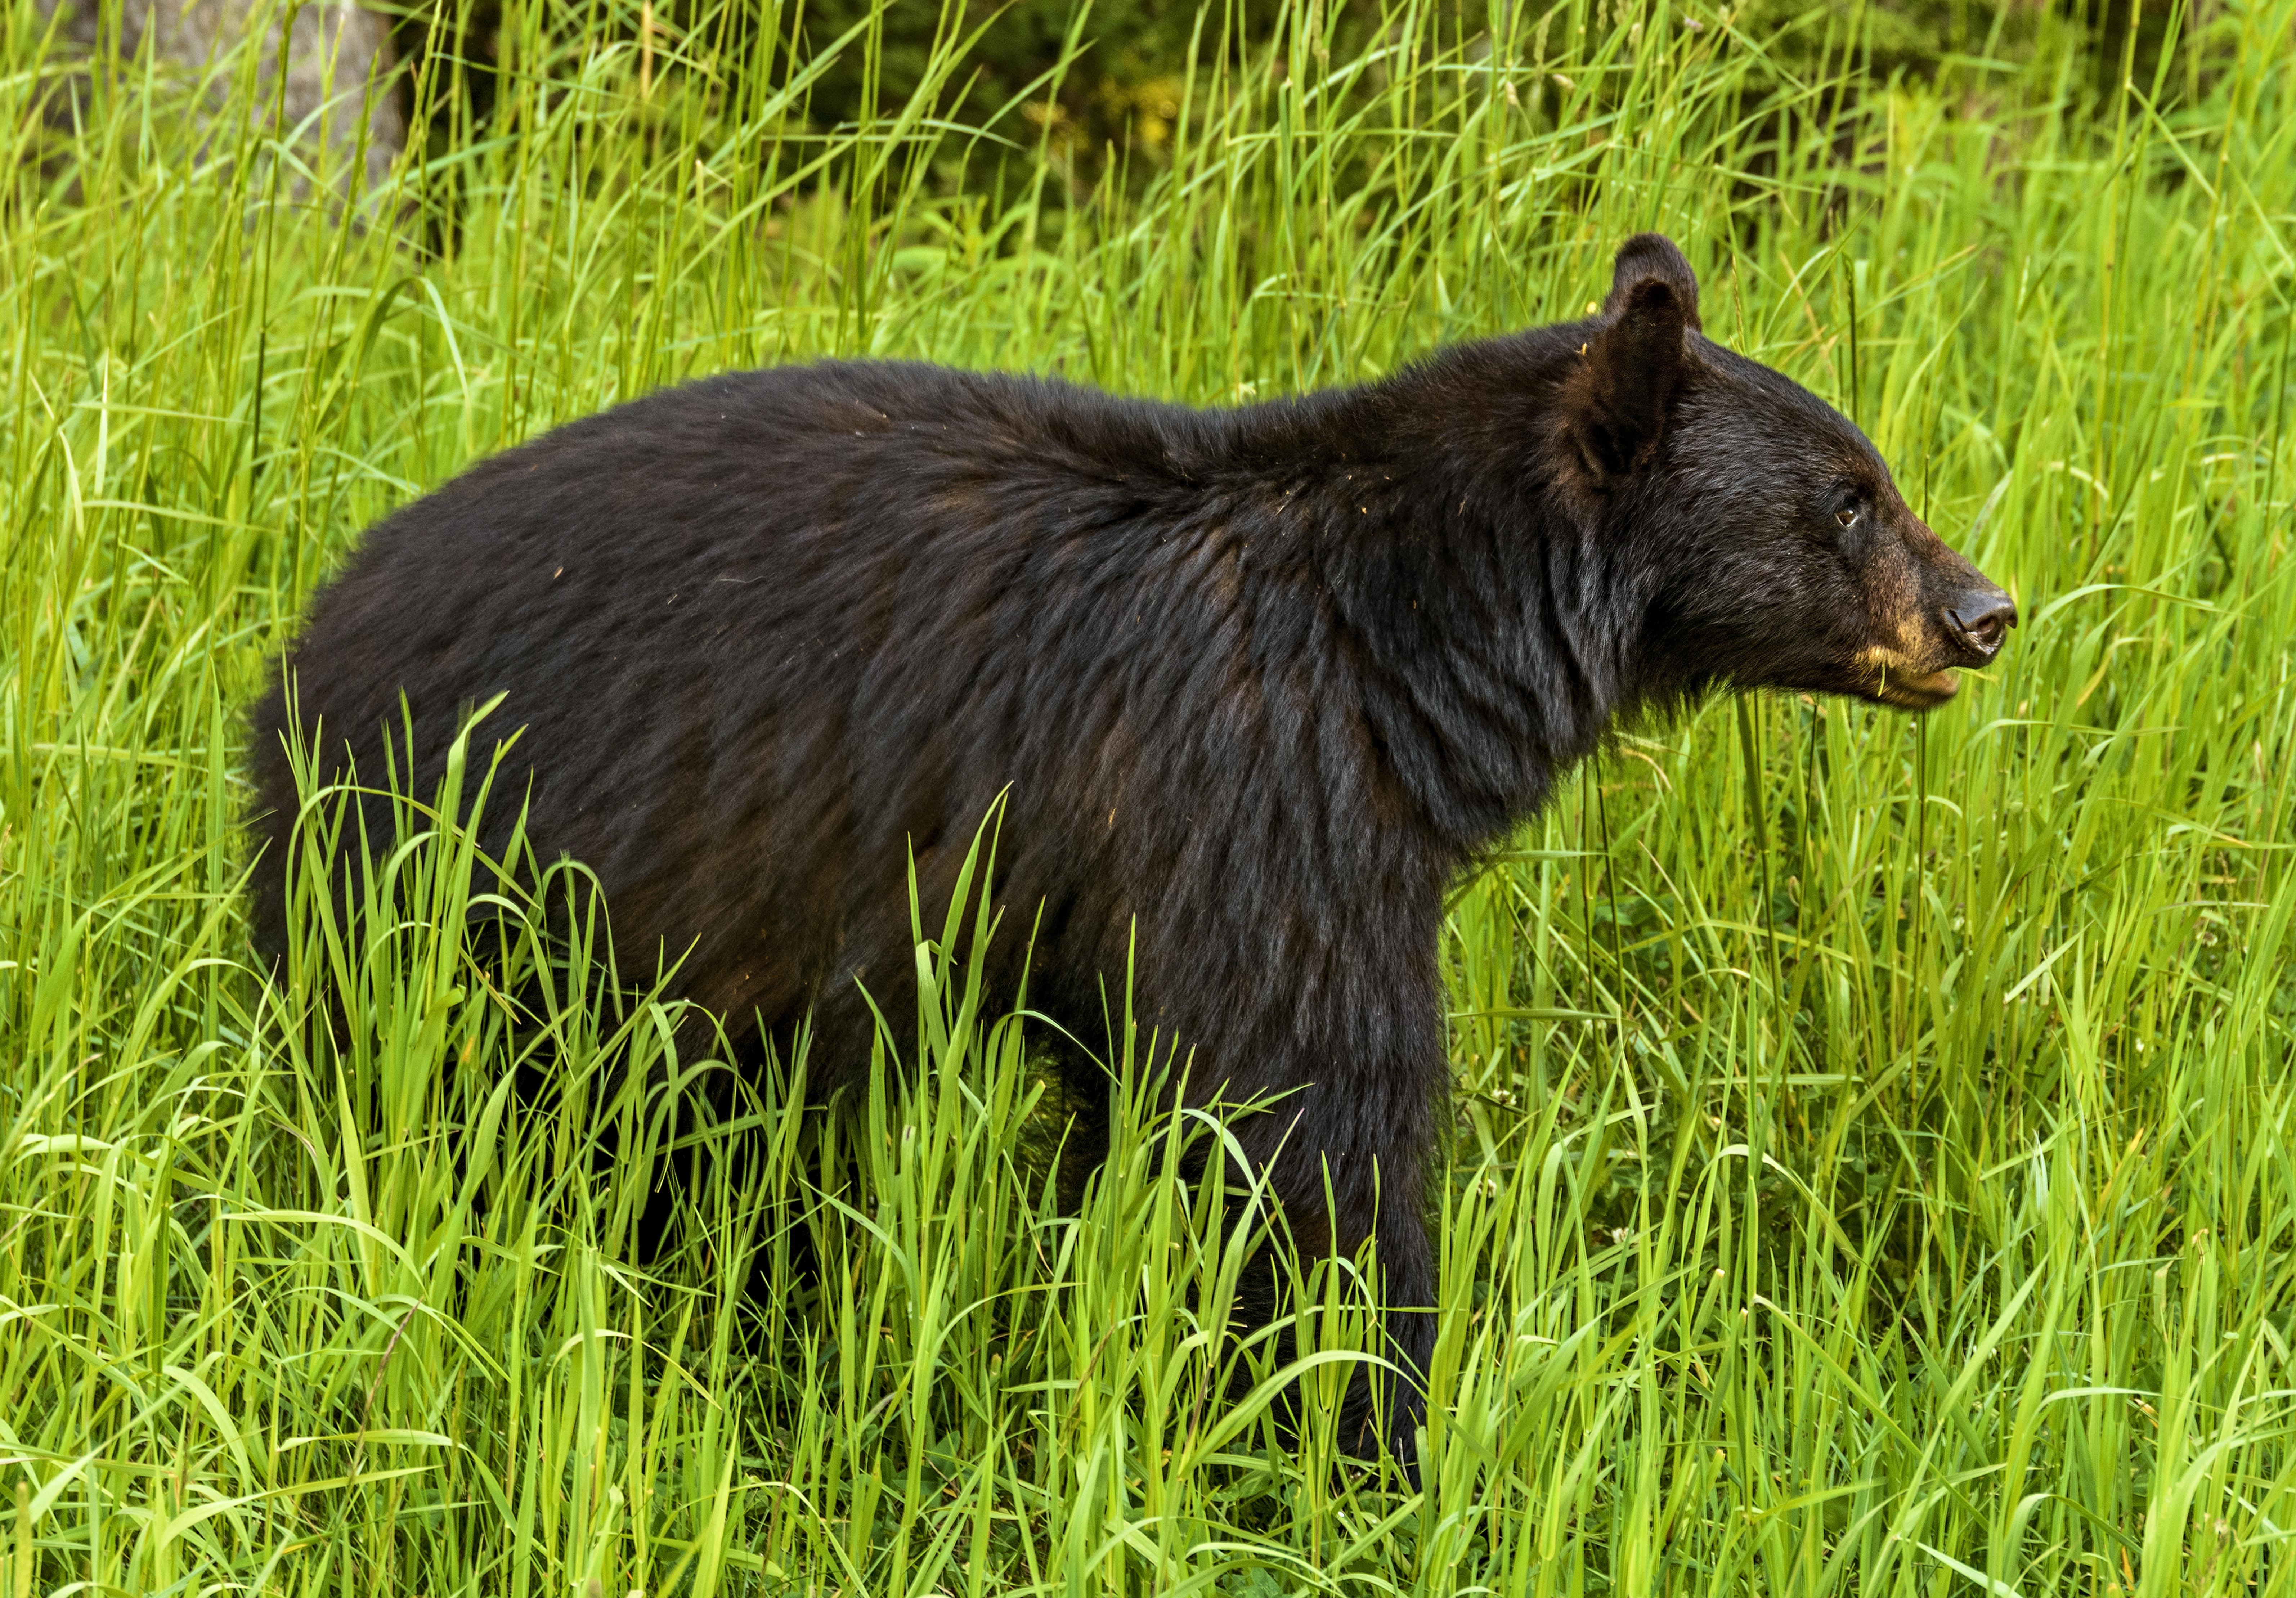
{"points": [[1875, 1159]]}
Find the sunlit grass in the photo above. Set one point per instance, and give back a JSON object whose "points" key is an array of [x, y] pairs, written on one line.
{"points": [[1874, 1166]]}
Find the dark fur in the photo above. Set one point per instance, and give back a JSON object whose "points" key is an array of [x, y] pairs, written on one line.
{"points": [[1260, 681]]}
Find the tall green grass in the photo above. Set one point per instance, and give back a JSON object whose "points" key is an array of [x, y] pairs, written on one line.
{"points": [[1874, 1163]]}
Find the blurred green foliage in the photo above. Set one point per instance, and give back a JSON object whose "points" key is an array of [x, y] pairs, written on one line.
{"points": [[1128, 59], [1108, 77], [1114, 71]]}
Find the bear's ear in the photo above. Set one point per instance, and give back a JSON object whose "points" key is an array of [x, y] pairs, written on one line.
{"points": [[1649, 255], [1615, 403]]}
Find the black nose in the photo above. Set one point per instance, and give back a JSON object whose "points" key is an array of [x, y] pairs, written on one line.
{"points": [[1981, 619]]}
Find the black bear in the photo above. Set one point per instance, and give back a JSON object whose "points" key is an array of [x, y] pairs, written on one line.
{"points": [[1258, 683]]}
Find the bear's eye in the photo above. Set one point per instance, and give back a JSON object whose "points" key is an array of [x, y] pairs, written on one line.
{"points": [[1846, 518]]}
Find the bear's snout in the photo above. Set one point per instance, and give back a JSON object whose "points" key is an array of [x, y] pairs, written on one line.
{"points": [[1948, 616], [1912, 665]]}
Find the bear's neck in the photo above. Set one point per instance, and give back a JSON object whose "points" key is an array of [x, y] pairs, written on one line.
{"points": [[1489, 629]]}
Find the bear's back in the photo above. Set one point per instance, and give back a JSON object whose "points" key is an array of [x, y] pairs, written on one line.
{"points": [[695, 603]]}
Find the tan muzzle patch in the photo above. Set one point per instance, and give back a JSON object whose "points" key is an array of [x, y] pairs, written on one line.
{"points": [[1901, 681]]}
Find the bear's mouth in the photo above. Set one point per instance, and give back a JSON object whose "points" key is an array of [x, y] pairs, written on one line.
{"points": [[1918, 690]]}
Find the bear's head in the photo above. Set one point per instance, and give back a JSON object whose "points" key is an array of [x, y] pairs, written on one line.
{"points": [[1779, 550]]}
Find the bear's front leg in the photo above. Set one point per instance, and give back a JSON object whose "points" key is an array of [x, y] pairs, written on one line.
{"points": [[1366, 1180], [1346, 1139]]}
